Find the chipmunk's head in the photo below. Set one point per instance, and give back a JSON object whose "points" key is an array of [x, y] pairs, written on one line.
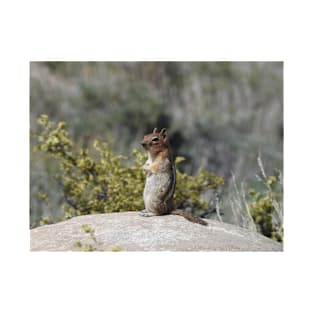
{"points": [[156, 141]]}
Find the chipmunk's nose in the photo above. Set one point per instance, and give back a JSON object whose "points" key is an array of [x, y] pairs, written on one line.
{"points": [[145, 145]]}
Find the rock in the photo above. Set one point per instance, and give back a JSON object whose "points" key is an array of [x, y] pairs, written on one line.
{"points": [[128, 231]]}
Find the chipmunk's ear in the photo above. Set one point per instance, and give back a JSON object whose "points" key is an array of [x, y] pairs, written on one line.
{"points": [[155, 130], [163, 133]]}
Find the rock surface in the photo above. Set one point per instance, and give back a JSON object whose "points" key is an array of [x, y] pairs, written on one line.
{"points": [[128, 231]]}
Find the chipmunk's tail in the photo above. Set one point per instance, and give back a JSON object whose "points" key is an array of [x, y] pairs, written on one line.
{"points": [[193, 219]]}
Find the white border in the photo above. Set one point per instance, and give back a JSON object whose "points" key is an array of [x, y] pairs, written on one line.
{"points": [[155, 282]]}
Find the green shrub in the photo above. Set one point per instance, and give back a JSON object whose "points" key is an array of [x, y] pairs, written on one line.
{"points": [[190, 188], [101, 181], [266, 205]]}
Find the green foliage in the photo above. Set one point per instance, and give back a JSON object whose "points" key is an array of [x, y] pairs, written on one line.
{"points": [[45, 220], [94, 244], [266, 205], [189, 188], [117, 249], [105, 182], [88, 246]]}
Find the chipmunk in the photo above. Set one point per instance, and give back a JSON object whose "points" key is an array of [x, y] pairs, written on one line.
{"points": [[161, 178]]}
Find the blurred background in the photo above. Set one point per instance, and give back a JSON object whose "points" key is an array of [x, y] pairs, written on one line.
{"points": [[219, 115]]}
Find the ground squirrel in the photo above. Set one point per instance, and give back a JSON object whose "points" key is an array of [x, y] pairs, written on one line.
{"points": [[161, 178]]}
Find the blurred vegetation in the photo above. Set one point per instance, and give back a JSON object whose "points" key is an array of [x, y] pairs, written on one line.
{"points": [[220, 115]]}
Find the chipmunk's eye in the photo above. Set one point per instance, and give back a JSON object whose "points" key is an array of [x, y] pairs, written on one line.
{"points": [[155, 140]]}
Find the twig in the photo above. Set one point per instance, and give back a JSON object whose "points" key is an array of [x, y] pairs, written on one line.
{"points": [[261, 166], [251, 221]]}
